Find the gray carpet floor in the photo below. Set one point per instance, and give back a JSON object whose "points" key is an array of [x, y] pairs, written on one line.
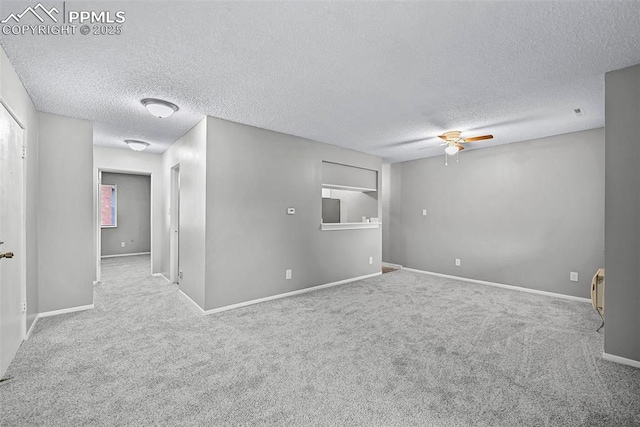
{"points": [[395, 350]]}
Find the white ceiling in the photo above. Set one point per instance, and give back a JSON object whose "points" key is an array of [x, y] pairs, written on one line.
{"points": [[382, 78]]}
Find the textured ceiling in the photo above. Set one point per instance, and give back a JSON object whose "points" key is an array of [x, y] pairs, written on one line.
{"points": [[382, 78]]}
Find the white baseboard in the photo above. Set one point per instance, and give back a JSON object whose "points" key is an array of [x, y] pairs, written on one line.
{"points": [[192, 301], [621, 360], [501, 285], [287, 294], [119, 255], [26, 337], [55, 313], [390, 265], [161, 275], [66, 310]]}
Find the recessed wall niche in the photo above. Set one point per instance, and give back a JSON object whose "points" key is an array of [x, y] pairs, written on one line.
{"points": [[349, 197]]}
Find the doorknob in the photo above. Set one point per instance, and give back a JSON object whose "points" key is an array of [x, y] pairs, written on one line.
{"points": [[6, 255]]}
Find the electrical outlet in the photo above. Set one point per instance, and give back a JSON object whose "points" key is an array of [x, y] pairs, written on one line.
{"points": [[457, 262], [122, 244], [370, 260], [573, 276], [288, 274], [424, 212], [24, 306], [179, 274]]}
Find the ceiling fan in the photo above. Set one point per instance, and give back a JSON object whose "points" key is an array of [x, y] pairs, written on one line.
{"points": [[454, 141]]}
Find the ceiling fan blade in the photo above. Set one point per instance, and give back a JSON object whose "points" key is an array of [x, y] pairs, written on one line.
{"points": [[460, 147], [443, 137], [478, 138]]}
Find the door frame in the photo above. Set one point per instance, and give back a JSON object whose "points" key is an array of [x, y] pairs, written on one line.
{"points": [[174, 225], [22, 256], [98, 229]]}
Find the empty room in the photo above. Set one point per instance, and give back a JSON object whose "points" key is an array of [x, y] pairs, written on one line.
{"points": [[326, 213]]}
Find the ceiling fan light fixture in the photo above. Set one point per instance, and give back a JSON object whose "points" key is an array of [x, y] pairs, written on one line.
{"points": [[136, 145], [159, 108], [451, 150]]}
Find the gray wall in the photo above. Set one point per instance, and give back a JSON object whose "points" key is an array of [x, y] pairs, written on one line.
{"points": [[129, 161], [524, 214], [391, 213], [253, 175], [622, 244], [133, 217], [16, 97], [65, 214], [191, 153]]}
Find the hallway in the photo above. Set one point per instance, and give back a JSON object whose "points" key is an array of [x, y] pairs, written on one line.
{"points": [[98, 366], [128, 289]]}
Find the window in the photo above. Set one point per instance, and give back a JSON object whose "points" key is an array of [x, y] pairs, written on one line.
{"points": [[108, 206]]}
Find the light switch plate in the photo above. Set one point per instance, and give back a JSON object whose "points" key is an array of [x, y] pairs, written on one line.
{"points": [[291, 211], [424, 212], [573, 276]]}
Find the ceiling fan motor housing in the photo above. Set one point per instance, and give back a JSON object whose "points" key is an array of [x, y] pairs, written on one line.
{"points": [[452, 136]]}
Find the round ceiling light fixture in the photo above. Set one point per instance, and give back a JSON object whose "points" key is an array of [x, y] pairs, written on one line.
{"points": [[159, 108], [136, 145], [451, 150]]}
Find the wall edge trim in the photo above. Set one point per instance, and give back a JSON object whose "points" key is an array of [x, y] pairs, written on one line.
{"points": [[391, 265], [621, 360], [163, 276], [501, 285], [65, 311], [26, 337], [119, 255], [289, 294], [192, 301]]}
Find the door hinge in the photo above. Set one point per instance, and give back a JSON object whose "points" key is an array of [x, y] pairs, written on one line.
{"points": [[24, 152], [24, 306]]}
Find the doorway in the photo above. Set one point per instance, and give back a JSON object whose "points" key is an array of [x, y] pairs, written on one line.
{"points": [[174, 263], [12, 237], [124, 220], [125, 214]]}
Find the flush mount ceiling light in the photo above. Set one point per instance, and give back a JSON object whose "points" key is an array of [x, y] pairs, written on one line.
{"points": [[136, 145], [451, 150], [159, 108]]}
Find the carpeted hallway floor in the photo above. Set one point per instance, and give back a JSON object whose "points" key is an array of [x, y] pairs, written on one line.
{"points": [[395, 350]]}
